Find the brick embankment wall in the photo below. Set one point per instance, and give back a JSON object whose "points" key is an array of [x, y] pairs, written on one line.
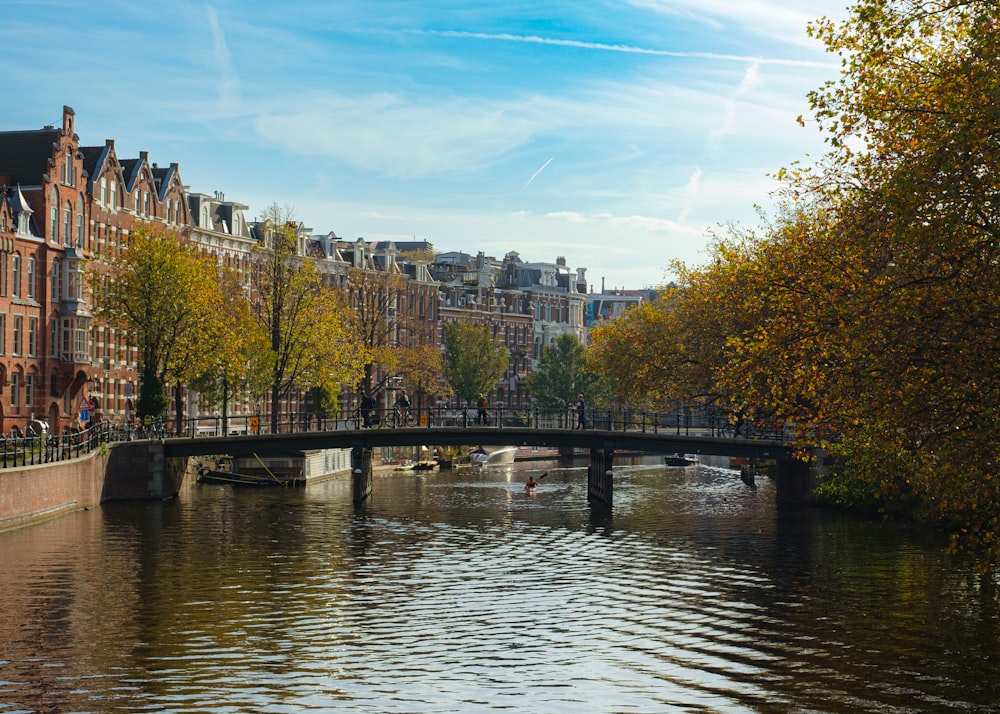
{"points": [[133, 471], [29, 494]]}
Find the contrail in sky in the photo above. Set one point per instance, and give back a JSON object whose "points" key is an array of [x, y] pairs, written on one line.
{"points": [[535, 39], [537, 172]]}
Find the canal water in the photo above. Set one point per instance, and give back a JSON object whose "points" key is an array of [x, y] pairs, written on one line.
{"points": [[459, 592]]}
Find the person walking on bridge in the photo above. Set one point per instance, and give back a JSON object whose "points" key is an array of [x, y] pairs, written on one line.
{"points": [[483, 414], [581, 412]]}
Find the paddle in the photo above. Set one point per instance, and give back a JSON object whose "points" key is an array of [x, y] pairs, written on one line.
{"points": [[532, 482]]}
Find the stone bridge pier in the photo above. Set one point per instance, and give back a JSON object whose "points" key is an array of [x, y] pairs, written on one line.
{"points": [[361, 474], [796, 479], [599, 475]]}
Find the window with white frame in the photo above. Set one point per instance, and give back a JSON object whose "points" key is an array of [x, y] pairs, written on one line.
{"points": [[15, 275], [54, 338], [32, 336], [104, 191], [80, 341], [74, 340], [54, 282], [16, 335], [73, 290], [15, 389], [79, 221], [29, 390], [67, 225], [31, 278]]}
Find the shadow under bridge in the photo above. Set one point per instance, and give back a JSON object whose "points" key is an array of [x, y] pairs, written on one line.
{"points": [[603, 446]]}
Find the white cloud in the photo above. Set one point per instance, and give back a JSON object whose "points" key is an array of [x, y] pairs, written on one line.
{"points": [[229, 82], [691, 192], [784, 20], [396, 135], [748, 83]]}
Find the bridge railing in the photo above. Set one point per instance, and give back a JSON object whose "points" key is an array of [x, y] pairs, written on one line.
{"points": [[496, 418], [29, 449]]}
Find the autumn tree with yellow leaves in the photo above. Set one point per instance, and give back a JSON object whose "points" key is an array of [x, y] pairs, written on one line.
{"points": [[865, 316], [161, 291], [303, 315]]}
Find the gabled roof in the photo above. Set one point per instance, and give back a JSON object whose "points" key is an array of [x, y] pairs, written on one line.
{"points": [[94, 159], [132, 169], [24, 155], [161, 179]]}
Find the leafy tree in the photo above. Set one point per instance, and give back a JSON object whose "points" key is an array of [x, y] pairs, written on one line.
{"points": [[867, 308], [375, 296], [239, 351], [306, 320], [162, 291], [473, 362], [561, 373], [421, 367]]}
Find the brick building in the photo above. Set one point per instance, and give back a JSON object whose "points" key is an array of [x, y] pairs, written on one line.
{"points": [[65, 207]]}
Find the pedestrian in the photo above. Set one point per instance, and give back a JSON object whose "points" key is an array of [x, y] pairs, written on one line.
{"points": [[367, 409], [483, 416], [581, 412]]}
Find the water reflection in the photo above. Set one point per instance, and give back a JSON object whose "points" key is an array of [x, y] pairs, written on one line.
{"points": [[458, 591]]}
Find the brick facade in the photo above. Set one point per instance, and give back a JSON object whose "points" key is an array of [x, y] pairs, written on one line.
{"points": [[64, 207]]}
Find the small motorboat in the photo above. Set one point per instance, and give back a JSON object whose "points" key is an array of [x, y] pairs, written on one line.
{"points": [[680, 459], [500, 455]]}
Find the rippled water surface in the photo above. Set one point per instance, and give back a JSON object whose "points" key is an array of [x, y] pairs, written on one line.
{"points": [[459, 592]]}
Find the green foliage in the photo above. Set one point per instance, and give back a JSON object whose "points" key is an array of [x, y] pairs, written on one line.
{"points": [[863, 316], [309, 340], [160, 290], [474, 363], [561, 373]]}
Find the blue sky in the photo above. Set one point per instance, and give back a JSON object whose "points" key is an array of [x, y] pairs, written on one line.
{"points": [[614, 133]]}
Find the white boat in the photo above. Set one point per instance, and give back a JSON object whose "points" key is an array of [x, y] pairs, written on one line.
{"points": [[680, 459], [499, 455]]}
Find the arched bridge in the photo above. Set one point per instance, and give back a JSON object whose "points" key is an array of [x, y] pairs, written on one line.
{"points": [[603, 445]]}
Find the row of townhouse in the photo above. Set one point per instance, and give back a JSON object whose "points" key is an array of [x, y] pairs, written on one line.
{"points": [[64, 205]]}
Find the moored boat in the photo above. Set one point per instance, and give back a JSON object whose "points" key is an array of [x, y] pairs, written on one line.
{"points": [[227, 474]]}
